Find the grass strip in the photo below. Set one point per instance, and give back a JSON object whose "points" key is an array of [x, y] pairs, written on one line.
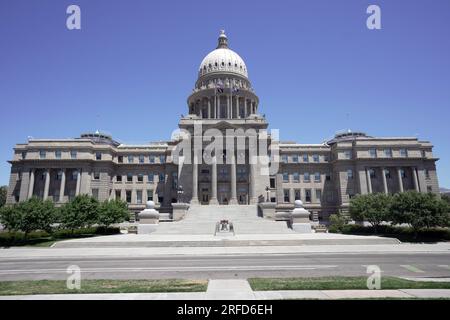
{"points": [[101, 286], [339, 283]]}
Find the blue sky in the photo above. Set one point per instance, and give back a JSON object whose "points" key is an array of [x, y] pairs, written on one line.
{"points": [[315, 66]]}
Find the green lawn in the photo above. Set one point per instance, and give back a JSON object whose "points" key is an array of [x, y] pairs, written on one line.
{"points": [[339, 283], [101, 286]]}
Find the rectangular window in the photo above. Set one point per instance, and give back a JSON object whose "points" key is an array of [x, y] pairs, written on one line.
{"points": [[305, 158], [388, 153], [306, 177], [74, 175], [326, 158], [98, 156], [285, 177], [328, 177], [73, 154], [24, 155], [348, 154], [140, 178], [129, 177], [118, 195], [296, 177], [152, 159], [272, 183], [118, 178], [96, 175], [162, 159], [59, 175], [162, 177], [295, 158], [373, 153], [308, 195], [141, 159], [139, 197], [42, 154], [424, 154], [130, 159], [316, 158], [284, 158], [95, 194], [58, 154], [128, 196], [174, 180], [403, 173], [286, 195], [120, 159], [297, 194], [150, 177], [349, 174], [317, 177], [319, 195], [387, 172], [372, 173], [427, 174], [403, 153], [149, 195]]}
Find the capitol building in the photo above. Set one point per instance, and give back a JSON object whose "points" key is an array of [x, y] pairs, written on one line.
{"points": [[324, 176]]}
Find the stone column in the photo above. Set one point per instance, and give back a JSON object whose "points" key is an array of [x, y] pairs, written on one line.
{"points": [[78, 187], [47, 184], [369, 181], [155, 189], [213, 199], [400, 180], [31, 184], [233, 199], [383, 175], [209, 108], [252, 182], [416, 182], [228, 107], [245, 108], [194, 180], [62, 187]]}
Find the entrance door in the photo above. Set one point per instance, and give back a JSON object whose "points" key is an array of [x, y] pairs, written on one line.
{"points": [[205, 196]]}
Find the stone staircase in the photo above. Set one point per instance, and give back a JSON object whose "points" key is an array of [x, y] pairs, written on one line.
{"points": [[202, 220]]}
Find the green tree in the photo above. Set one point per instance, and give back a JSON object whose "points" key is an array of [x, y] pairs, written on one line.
{"points": [[3, 192], [337, 222], [80, 212], [114, 211], [10, 218], [420, 210], [374, 208], [34, 214]]}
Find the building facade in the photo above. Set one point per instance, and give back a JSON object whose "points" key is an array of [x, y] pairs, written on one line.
{"points": [[324, 176]]}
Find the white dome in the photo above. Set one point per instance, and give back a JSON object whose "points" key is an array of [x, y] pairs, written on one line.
{"points": [[223, 59]]}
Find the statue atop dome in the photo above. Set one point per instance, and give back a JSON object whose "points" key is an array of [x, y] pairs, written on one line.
{"points": [[223, 40]]}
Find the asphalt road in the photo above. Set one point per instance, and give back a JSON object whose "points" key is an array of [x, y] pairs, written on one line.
{"points": [[229, 266]]}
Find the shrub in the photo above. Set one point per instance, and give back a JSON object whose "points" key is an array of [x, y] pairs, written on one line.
{"points": [[114, 211], [337, 223], [374, 208], [420, 210], [79, 213]]}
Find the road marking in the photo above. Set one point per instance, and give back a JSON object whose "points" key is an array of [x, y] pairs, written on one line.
{"points": [[411, 268], [444, 266], [196, 268]]}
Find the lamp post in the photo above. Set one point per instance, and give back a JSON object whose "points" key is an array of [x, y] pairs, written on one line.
{"points": [[267, 194], [180, 193]]}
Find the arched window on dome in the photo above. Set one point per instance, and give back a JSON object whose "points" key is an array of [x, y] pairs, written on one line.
{"points": [[210, 66], [215, 64], [223, 64]]}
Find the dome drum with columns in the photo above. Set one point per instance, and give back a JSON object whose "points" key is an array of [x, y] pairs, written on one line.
{"points": [[225, 69]]}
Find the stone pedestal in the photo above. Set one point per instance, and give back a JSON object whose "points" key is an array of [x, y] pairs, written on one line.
{"points": [[148, 219], [268, 209], [300, 218], [179, 210]]}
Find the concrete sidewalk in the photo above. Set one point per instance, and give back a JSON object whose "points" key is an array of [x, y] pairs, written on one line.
{"points": [[37, 253], [239, 289]]}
